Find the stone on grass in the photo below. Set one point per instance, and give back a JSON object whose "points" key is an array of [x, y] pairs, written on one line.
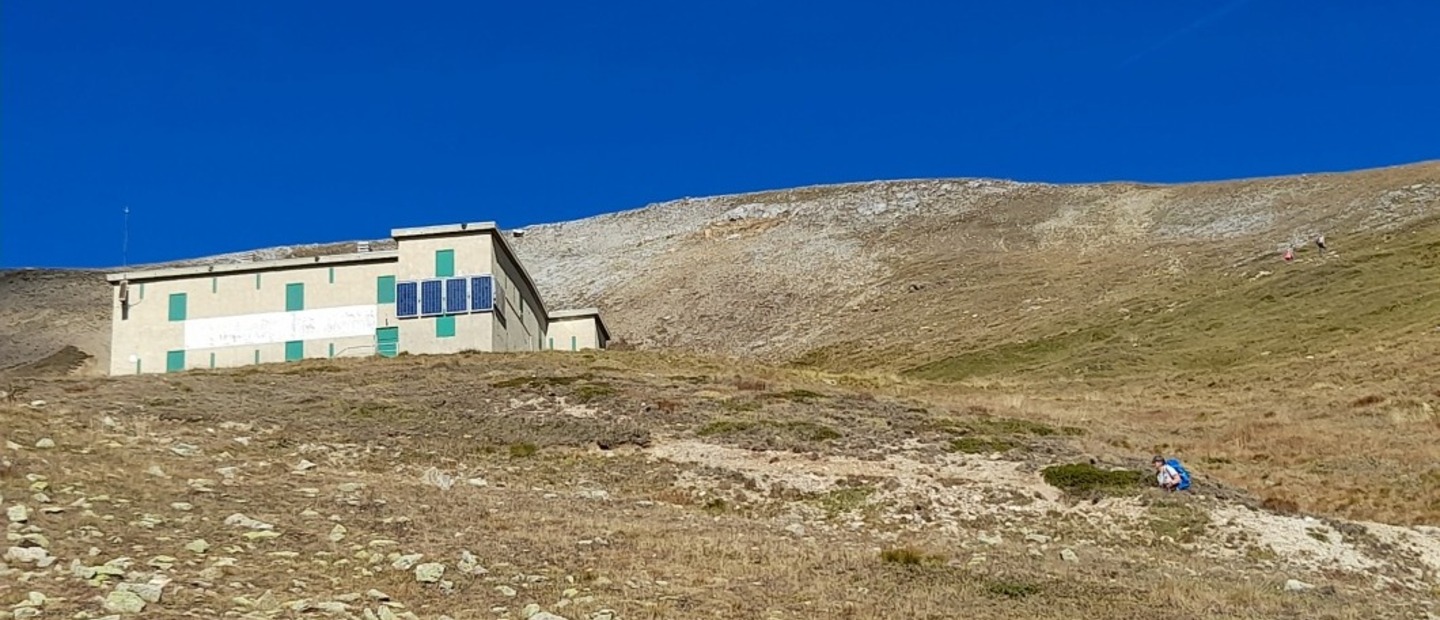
{"points": [[545, 615], [18, 513], [377, 595], [505, 590], [240, 520], [185, 449], [430, 572], [406, 562], [45, 443], [337, 533], [124, 602], [529, 610], [149, 592], [604, 614], [1069, 555], [197, 546], [1295, 585], [1037, 538]]}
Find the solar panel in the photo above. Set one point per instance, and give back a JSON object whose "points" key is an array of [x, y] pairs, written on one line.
{"points": [[432, 297], [407, 301], [455, 300], [480, 300]]}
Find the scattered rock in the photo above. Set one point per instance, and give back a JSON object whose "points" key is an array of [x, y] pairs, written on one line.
{"points": [[351, 487], [990, 540], [240, 520], [478, 482], [430, 572], [182, 506], [197, 546], [506, 590], [18, 513], [1037, 538], [1069, 555], [1295, 585], [529, 610], [124, 602], [304, 466], [406, 562], [594, 494], [469, 565], [377, 595], [603, 614], [35, 555], [796, 529], [545, 615], [149, 592], [45, 443], [185, 449], [337, 533]]}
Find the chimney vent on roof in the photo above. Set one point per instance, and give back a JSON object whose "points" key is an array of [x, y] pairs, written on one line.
{"points": [[517, 233], [362, 246]]}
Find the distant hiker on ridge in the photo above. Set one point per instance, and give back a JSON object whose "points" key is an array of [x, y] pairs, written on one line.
{"points": [[1320, 243], [1289, 254]]}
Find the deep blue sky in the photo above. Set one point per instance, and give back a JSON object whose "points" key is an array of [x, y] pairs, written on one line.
{"points": [[237, 125]]}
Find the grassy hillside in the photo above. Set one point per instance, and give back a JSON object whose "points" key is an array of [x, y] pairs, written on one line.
{"points": [[632, 486]]}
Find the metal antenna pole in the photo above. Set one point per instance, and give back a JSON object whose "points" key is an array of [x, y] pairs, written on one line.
{"points": [[125, 242]]}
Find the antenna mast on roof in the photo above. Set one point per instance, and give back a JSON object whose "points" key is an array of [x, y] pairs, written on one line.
{"points": [[125, 240]]}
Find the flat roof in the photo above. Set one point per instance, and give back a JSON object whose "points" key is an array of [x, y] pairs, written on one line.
{"points": [[443, 229], [580, 313], [259, 265]]}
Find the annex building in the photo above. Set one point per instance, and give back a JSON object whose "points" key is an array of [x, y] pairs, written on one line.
{"points": [[443, 289]]}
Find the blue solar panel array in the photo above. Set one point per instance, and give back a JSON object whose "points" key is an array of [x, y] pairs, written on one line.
{"points": [[407, 299], [480, 294], [455, 300], [448, 296], [431, 297]]}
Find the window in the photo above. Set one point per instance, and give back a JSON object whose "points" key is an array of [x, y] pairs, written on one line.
{"points": [[385, 290], [294, 297], [332, 275], [572, 344], [212, 360], [175, 361], [177, 306], [444, 263], [294, 350], [552, 344], [257, 281], [445, 326]]}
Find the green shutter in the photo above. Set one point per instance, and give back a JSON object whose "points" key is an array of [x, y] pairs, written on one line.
{"points": [[552, 344], [294, 297], [137, 365], [257, 356], [177, 306], [332, 349], [387, 341], [445, 326], [175, 361], [385, 290], [142, 290], [294, 350], [572, 344], [212, 360], [332, 275], [214, 285], [257, 281], [444, 263]]}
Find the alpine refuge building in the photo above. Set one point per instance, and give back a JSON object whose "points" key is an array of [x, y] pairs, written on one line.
{"points": [[443, 289]]}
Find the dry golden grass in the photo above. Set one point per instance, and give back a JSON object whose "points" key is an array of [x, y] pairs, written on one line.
{"points": [[654, 548]]}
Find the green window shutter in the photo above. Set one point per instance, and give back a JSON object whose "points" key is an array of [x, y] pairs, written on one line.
{"points": [[137, 365], [142, 291], [214, 285], [332, 349], [444, 263], [294, 350], [332, 275], [212, 360], [294, 297], [572, 344], [257, 356], [445, 326], [385, 290], [177, 306], [257, 281], [175, 361], [552, 344]]}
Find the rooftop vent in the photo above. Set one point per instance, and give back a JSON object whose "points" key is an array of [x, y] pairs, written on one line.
{"points": [[518, 233], [362, 246]]}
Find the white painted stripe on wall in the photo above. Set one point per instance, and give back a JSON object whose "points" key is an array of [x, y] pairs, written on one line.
{"points": [[276, 327]]}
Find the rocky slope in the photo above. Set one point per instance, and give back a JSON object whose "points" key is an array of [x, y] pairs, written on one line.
{"points": [[626, 486]]}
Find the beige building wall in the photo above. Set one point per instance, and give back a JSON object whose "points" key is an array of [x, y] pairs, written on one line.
{"points": [[239, 314], [143, 337], [573, 334], [419, 253], [522, 323]]}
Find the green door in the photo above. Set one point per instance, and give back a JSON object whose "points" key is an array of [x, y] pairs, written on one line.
{"points": [[174, 361], [294, 350], [387, 341]]}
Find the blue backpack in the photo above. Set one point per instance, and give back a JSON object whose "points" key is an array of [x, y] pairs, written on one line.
{"points": [[1184, 475]]}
